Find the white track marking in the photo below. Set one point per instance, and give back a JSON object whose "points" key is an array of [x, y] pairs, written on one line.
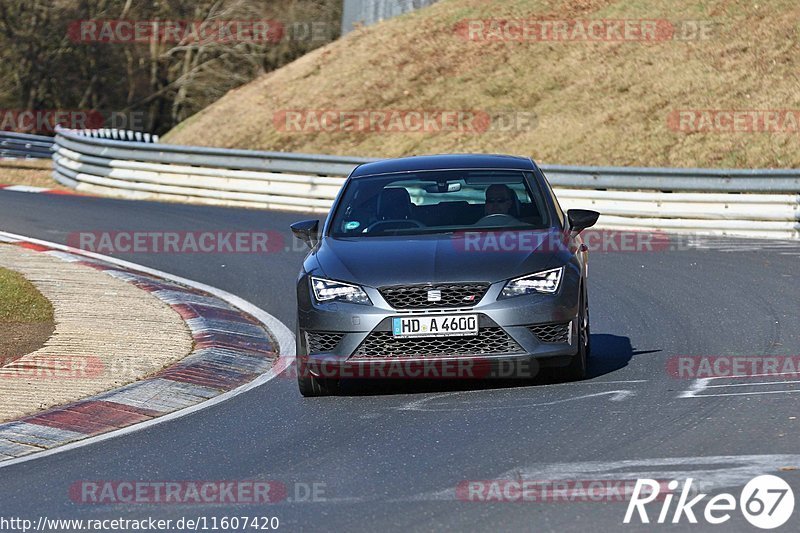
{"points": [[743, 244], [702, 384], [708, 473], [751, 384], [282, 334], [698, 385], [758, 393], [24, 188], [422, 403], [713, 472]]}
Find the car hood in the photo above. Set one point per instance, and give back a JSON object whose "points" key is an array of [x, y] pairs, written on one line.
{"points": [[488, 257]]}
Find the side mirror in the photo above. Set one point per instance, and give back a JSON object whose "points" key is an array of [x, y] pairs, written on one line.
{"points": [[580, 219], [307, 231]]}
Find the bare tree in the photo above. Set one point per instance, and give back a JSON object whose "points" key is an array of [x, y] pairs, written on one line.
{"points": [[165, 79]]}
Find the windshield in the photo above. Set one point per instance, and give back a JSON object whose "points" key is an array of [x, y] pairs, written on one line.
{"points": [[440, 201]]}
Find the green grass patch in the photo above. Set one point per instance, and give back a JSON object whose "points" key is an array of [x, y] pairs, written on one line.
{"points": [[20, 301]]}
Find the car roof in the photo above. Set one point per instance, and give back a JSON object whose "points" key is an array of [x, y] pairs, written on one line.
{"points": [[443, 162]]}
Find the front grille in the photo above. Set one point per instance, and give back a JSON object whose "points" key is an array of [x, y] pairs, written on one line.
{"points": [[452, 295], [491, 340], [322, 341], [551, 333]]}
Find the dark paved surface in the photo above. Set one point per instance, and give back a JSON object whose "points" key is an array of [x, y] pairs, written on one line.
{"points": [[391, 455]]}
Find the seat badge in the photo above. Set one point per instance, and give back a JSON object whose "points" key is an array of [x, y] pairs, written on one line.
{"points": [[434, 295]]}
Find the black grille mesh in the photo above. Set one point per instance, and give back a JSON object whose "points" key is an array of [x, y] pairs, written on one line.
{"points": [[416, 296], [491, 340], [551, 333], [322, 341]]}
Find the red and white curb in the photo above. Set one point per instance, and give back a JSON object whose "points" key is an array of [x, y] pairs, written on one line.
{"points": [[236, 347]]}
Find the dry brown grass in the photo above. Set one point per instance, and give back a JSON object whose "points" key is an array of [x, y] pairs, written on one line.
{"points": [[34, 172], [596, 103]]}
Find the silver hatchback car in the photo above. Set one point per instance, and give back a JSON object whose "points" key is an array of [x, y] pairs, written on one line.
{"points": [[442, 266]]}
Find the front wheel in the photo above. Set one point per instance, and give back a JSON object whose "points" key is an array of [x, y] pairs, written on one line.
{"points": [[314, 386], [311, 385], [576, 370]]}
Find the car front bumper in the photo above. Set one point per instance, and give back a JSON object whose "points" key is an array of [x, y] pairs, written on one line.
{"points": [[349, 330]]}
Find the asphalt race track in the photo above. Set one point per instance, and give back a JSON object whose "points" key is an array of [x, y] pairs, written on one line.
{"points": [[390, 455]]}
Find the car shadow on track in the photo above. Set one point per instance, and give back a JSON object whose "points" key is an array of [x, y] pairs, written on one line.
{"points": [[609, 354]]}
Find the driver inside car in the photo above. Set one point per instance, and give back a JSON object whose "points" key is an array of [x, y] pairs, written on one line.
{"points": [[499, 200]]}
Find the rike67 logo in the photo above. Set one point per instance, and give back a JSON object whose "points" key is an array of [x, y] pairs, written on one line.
{"points": [[766, 502]]}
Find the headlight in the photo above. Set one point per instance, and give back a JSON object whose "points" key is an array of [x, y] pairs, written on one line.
{"points": [[542, 282], [326, 290]]}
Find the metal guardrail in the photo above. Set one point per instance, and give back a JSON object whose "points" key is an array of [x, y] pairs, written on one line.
{"points": [[23, 145], [762, 203]]}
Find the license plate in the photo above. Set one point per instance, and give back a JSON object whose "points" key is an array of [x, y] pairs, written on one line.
{"points": [[435, 326]]}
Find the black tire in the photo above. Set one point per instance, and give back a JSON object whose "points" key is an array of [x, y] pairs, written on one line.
{"points": [[309, 384], [576, 369], [588, 326], [312, 386]]}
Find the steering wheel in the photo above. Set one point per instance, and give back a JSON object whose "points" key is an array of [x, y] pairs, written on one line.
{"points": [[501, 219], [399, 223]]}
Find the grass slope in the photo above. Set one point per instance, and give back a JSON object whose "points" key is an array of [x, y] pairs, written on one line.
{"points": [[595, 103]]}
